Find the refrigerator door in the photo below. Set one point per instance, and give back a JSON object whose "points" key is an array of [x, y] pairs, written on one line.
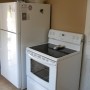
{"points": [[9, 57], [9, 16]]}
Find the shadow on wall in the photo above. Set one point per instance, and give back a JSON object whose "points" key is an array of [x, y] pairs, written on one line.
{"points": [[1, 1]]}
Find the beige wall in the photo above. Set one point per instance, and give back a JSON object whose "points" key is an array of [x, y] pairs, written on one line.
{"points": [[68, 15]]}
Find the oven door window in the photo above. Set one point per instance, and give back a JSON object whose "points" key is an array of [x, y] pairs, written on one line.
{"points": [[40, 70]]}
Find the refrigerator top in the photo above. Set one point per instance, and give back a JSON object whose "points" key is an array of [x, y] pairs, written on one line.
{"points": [[16, 14]]}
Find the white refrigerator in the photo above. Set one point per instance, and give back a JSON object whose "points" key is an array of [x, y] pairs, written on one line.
{"points": [[22, 24]]}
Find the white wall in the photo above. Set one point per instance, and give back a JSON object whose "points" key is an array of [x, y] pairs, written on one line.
{"points": [[0, 41], [85, 81]]}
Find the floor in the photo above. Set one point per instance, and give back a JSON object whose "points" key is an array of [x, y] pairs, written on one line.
{"points": [[6, 85]]}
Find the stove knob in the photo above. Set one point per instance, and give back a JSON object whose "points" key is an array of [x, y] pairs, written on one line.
{"points": [[27, 51], [47, 60], [52, 61], [43, 58], [31, 53], [34, 54], [39, 56]]}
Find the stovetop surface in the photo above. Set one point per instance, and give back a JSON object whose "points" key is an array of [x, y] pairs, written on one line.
{"points": [[48, 49]]}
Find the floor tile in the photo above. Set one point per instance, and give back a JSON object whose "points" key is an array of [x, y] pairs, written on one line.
{"points": [[6, 85]]}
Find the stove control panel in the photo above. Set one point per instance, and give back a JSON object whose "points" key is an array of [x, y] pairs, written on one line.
{"points": [[66, 36], [40, 57]]}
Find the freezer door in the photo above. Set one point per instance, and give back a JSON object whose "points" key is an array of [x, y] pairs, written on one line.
{"points": [[35, 22], [9, 16], [9, 58]]}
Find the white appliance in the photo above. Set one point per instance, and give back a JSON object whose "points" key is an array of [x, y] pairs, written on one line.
{"points": [[22, 24], [85, 80], [55, 65]]}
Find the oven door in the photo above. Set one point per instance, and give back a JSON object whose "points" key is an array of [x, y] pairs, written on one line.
{"points": [[41, 72]]}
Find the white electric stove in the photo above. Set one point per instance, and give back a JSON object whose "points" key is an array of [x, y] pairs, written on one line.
{"points": [[56, 64]]}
